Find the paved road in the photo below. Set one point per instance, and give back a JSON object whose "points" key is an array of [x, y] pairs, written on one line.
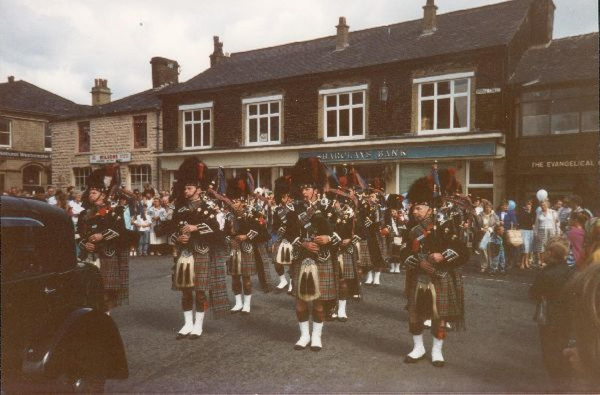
{"points": [[499, 352]]}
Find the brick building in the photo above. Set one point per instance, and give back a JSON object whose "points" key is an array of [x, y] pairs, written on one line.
{"points": [[554, 140], [25, 139], [389, 99], [127, 130]]}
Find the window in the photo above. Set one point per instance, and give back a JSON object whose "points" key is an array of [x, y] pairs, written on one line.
{"points": [[559, 111], [140, 132], [32, 177], [444, 103], [81, 174], [197, 125], [344, 113], [140, 175], [5, 132], [47, 138], [263, 120], [480, 179], [84, 136]]}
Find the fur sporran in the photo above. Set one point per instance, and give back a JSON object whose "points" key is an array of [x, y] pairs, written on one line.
{"points": [[308, 281], [284, 253], [184, 271], [234, 263]]}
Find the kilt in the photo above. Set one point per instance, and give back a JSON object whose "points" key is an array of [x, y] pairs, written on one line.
{"points": [[527, 245], [327, 279], [201, 273], [115, 275], [348, 258], [248, 263], [542, 236], [383, 246], [219, 303], [449, 298], [365, 257]]}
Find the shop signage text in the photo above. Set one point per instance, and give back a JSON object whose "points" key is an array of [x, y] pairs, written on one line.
{"points": [[111, 158], [562, 163], [24, 155], [409, 152], [485, 91]]}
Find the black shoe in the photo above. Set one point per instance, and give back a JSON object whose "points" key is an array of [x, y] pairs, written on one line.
{"points": [[180, 336], [298, 347], [194, 337], [438, 364], [409, 359], [315, 349], [342, 319]]}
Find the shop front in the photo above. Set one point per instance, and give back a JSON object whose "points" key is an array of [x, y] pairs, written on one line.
{"points": [[27, 171]]}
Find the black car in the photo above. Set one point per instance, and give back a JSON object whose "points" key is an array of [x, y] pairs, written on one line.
{"points": [[55, 334]]}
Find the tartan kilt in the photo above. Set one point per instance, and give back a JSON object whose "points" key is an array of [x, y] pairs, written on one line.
{"points": [[365, 257], [201, 273], [115, 275], [348, 258], [449, 296], [327, 279], [275, 248], [383, 245]]}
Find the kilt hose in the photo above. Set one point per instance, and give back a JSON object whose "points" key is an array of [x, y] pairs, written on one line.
{"points": [[328, 284], [449, 298], [115, 276]]}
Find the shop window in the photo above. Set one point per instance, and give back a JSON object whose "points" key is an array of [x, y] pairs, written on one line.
{"points": [[140, 132], [47, 138], [5, 132], [197, 125], [84, 136], [344, 113], [559, 111], [444, 103], [140, 175], [263, 120], [32, 177], [81, 174], [480, 179]]}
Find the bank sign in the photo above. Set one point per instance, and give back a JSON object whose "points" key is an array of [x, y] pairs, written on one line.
{"points": [[410, 152], [111, 158]]}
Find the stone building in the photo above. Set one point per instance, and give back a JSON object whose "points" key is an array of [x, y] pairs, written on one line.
{"points": [[554, 138], [388, 100], [127, 130], [25, 139]]}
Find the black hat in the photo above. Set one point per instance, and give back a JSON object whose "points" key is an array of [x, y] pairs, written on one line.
{"points": [[283, 186], [394, 201], [103, 179], [309, 173], [421, 192], [191, 172], [238, 188]]}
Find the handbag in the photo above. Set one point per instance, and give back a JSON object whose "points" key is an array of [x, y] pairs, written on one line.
{"points": [[514, 237], [541, 312], [485, 240]]}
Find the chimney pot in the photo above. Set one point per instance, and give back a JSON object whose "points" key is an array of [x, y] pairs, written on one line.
{"points": [[11, 78], [429, 17], [341, 40], [100, 92], [164, 71], [217, 56]]}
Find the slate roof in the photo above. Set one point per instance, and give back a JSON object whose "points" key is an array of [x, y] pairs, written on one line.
{"points": [[566, 59], [21, 96], [475, 28]]}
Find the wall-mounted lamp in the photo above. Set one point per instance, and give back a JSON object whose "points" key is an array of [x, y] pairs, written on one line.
{"points": [[384, 92]]}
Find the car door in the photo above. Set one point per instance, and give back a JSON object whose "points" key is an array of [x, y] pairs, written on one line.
{"points": [[30, 291]]}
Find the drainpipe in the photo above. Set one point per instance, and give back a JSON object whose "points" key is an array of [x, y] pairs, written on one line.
{"points": [[158, 129]]}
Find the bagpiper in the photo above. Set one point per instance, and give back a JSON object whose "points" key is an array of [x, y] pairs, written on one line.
{"points": [[195, 235], [103, 240], [314, 276], [285, 229], [396, 230], [434, 285], [368, 228]]}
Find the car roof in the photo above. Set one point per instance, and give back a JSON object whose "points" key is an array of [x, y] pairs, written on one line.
{"points": [[31, 208]]}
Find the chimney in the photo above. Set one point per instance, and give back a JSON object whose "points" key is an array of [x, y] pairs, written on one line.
{"points": [[429, 14], [100, 92], [11, 79], [217, 56], [341, 40], [164, 71]]}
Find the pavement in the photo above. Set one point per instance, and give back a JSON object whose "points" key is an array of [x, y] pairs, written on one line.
{"points": [[499, 352]]}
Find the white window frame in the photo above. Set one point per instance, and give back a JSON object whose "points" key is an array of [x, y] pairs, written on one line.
{"points": [[191, 108], [468, 177], [9, 134], [82, 184], [435, 80], [345, 90], [257, 101], [135, 170], [39, 180]]}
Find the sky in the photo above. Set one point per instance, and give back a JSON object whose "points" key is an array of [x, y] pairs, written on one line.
{"points": [[63, 45]]}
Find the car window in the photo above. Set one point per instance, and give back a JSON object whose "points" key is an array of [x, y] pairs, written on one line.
{"points": [[21, 245]]}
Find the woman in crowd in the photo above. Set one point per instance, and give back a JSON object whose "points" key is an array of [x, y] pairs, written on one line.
{"points": [[554, 327], [546, 227], [485, 224], [156, 214], [143, 223], [526, 219], [575, 235]]}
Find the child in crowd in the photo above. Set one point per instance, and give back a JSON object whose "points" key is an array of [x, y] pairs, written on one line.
{"points": [[498, 258]]}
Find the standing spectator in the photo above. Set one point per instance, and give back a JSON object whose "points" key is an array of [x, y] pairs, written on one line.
{"points": [[564, 213], [575, 235], [51, 195], [576, 206], [62, 201], [496, 251], [485, 224], [76, 207], [156, 214], [169, 208], [142, 223], [545, 228], [508, 218], [554, 332], [591, 243], [526, 219]]}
